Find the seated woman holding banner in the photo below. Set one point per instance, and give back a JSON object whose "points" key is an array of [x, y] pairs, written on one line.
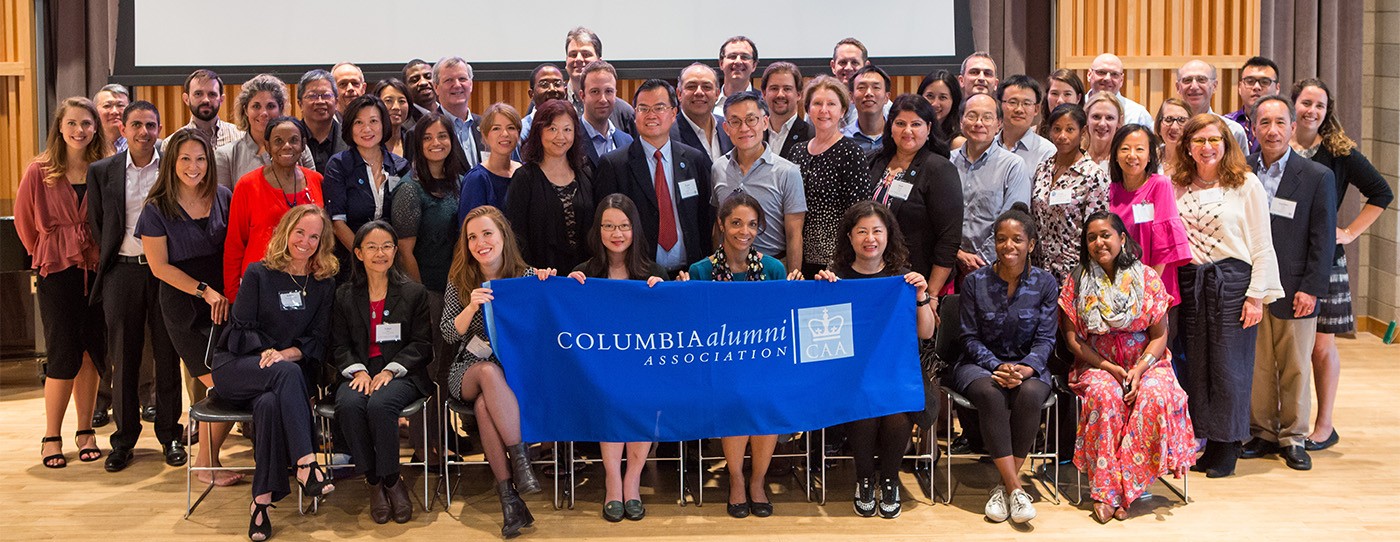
{"points": [[1134, 423], [1008, 331], [740, 220], [874, 247], [486, 250], [615, 256], [381, 345]]}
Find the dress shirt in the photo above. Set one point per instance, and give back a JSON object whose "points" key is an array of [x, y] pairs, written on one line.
{"points": [[868, 143], [990, 185], [139, 181], [1271, 175], [674, 258], [224, 132], [710, 144], [1241, 117], [778, 137], [463, 128], [772, 180], [1031, 148], [602, 142], [719, 104]]}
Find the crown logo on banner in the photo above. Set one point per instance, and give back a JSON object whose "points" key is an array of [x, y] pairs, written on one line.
{"points": [[827, 327]]}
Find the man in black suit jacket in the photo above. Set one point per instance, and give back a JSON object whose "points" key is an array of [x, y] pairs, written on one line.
{"points": [[128, 291], [1303, 222], [632, 171], [782, 91], [696, 123], [452, 81]]}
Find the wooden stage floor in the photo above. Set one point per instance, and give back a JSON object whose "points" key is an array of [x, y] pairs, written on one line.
{"points": [[1348, 495]]}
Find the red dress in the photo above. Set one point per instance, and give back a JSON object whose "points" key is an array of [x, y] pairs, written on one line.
{"points": [[253, 214], [1124, 448]]}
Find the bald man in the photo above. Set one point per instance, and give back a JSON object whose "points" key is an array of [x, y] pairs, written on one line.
{"points": [[1106, 75], [1196, 84]]}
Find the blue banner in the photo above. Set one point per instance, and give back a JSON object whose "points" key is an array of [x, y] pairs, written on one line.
{"points": [[616, 361]]}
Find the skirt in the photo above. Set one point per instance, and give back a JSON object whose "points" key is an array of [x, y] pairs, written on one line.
{"points": [[1334, 310], [72, 326]]}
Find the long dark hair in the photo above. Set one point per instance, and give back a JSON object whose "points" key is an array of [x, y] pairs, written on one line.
{"points": [[358, 275], [896, 254], [532, 151], [635, 258], [1115, 171], [950, 127], [165, 195], [453, 168], [917, 105], [1130, 254]]}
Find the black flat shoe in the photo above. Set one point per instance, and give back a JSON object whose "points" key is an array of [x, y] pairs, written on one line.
{"points": [[148, 414], [101, 418], [613, 511], [1296, 458], [633, 510], [53, 461], [1257, 448], [317, 484], [88, 455], [118, 459], [1314, 446], [258, 533], [175, 454], [738, 511]]}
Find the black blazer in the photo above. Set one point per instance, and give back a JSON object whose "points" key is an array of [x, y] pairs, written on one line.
{"points": [[406, 304], [537, 217], [681, 131], [106, 194], [800, 131], [620, 140], [931, 217], [624, 171], [1305, 243]]}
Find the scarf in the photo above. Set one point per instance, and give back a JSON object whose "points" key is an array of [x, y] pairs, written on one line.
{"points": [[720, 266], [1109, 303]]}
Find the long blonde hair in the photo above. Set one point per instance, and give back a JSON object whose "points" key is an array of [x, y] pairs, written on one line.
{"points": [[323, 264], [54, 160], [466, 273]]}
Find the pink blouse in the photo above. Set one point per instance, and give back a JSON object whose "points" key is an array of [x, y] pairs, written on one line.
{"points": [[52, 224], [1152, 220]]}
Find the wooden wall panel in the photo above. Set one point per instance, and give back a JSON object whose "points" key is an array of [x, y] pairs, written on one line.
{"points": [[19, 128], [1154, 37]]}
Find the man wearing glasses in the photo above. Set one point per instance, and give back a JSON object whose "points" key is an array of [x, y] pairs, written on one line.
{"points": [[992, 180], [697, 124], [316, 95], [755, 169], [738, 58], [668, 180], [546, 83], [870, 99], [1196, 84], [1106, 75], [1020, 99], [1258, 78]]}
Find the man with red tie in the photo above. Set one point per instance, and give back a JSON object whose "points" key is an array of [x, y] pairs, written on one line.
{"points": [[669, 181]]}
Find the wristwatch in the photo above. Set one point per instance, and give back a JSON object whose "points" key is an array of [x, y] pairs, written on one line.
{"points": [[925, 301], [199, 290]]}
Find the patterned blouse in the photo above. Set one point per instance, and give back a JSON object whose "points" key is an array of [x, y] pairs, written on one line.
{"points": [[1061, 214], [834, 180], [452, 306]]}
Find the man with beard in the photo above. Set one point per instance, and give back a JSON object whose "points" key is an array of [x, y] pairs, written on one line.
{"points": [[203, 95], [1196, 84], [782, 90], [546, 83], [696, 123], [316, 94], [581, 47], [418, 77], [869, 97], [599, 133], [738, 58]]}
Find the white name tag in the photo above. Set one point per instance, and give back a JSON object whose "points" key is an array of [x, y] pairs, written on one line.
{"points": [[1282, 207], [1144, 212], [388, 332], [1061, 197], [479, 348], [901, 189], [688, 189], [291, 301], [485, 155], [1211, 195]]}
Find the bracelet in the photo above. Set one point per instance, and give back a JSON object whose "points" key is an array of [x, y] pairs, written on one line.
{"points": [[1148, 357]]}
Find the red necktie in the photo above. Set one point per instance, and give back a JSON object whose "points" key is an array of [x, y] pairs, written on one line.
{"points": [[667, 236]]}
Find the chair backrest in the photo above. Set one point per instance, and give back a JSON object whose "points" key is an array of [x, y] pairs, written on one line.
{"points": [[945, 340]]}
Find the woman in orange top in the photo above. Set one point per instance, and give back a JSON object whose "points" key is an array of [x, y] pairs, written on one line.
{"points": [[263, 195], [51, 219]]}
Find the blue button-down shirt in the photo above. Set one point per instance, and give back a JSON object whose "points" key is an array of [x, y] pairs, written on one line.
{"points": [[1031, 148], [602, 142], [867, 144], [990, 185], [463, 129], [674, 258], [1272, 174]]}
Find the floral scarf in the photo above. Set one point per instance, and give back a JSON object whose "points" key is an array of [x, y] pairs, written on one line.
{"points": [[720, 266], [1106, 304]]}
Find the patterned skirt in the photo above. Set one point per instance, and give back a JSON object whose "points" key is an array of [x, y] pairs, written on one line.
{"points": [[1334, 310]]}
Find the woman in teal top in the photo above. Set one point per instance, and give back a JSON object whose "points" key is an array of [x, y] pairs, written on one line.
{"points": [[740, 220]]}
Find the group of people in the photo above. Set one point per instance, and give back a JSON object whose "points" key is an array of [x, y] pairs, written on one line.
{"points": [[1182, 272]]}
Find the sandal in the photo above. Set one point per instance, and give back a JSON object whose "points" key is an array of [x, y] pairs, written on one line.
{"points": [[54, 461], [319, 487], [88, 455], [256, 532]]}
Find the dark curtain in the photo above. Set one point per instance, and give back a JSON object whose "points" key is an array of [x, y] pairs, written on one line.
{"points": [[1016, 33], [81, 38]]}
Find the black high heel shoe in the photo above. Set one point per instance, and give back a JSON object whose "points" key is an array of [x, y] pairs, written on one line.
{"points": [[316, 487], [258, 533]]}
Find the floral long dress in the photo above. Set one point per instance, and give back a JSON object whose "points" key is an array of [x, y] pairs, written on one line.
{"points": [[1124, 448]]}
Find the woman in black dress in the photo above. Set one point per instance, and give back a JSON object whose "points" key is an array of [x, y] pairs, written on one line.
{"points": [[549, 200], [833, 171], [275, 337]]}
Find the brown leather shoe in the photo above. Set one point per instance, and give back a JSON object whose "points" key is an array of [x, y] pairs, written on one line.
{"points": [[399, 502], [378, 504]]}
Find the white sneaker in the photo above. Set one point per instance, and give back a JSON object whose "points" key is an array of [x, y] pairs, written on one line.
{"points": [[996, 505], [1021, 508]]}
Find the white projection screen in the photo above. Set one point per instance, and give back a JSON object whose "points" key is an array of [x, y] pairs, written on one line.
{"points": [[161, 41]]}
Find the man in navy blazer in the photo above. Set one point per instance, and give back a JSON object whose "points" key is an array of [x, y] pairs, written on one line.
{"points": [[452, 81], [129, 292], [599, 134], [683, 176], [1303, 220], [696, 123]]}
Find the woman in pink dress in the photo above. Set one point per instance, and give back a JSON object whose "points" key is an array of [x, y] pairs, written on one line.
{"points": [[1134, 424], [1146, 202]]}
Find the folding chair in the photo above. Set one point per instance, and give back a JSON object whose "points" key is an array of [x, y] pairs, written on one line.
{"points": [[454, 412], [1182, 492], [325, 412]]}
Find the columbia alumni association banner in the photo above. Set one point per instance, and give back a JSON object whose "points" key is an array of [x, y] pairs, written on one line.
{"points": [[616, 361]]}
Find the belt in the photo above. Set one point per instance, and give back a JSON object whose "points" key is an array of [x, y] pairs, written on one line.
{"points": [[138, 260]]}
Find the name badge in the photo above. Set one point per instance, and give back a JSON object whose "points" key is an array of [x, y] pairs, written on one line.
{"points": [[1062, 196], [901, 189], [1144, 212], [485, 155], [388, 332], [688, 189], [291, 300], [479, 348], [1211, 195], [1282, 207]]}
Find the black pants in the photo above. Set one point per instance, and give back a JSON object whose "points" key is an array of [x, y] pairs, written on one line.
{"points": [[887, 435], [130, 302], [371, 424], [1010, 418], [281, 416]]}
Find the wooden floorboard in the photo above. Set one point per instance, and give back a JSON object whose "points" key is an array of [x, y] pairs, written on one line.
{"points": [[1347, 496]]}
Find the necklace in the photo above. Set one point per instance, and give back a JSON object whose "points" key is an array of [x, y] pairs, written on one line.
{"points": [[292, 201], [300, 286]]}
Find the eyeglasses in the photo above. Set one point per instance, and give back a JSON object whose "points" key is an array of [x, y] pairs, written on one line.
{"points": [[1175, 120], [973, 118], [1109, 73], [1194, 80], [1203, 141], [550, 83], [381, 249], [319, 97], [609, 228], [662, 109], [1257, 82], [751, 121], [1019, 104]]}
